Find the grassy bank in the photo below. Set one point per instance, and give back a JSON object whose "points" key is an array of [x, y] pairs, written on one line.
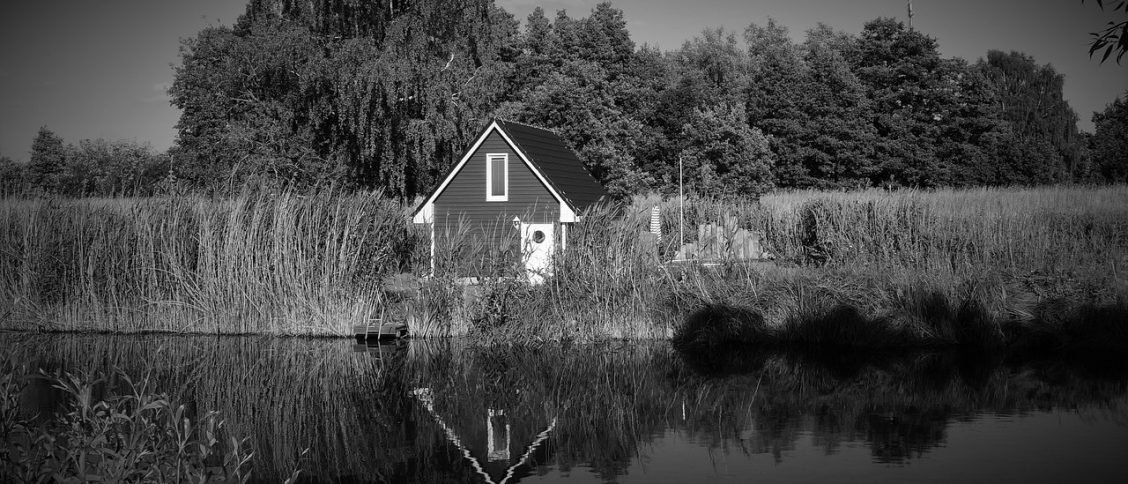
{"points": [[315, 265]]}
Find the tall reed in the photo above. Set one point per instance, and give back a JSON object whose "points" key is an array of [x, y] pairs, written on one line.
{"points": [[258, 263], [284, 263]]}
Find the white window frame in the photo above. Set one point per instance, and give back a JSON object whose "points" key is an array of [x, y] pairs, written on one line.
{"points": [[491, 158]]}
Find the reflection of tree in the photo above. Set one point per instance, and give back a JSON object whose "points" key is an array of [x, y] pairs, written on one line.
{"points": [[896, 435], [899, 405], [358, 415]]}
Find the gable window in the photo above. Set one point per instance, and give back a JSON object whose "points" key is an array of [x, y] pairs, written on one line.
{"points": [[497, 177]]}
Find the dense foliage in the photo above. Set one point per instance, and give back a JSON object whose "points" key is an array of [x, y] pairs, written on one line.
{"points": [[92, 168], [1114, 36], [364, 94], [1110, 142]]}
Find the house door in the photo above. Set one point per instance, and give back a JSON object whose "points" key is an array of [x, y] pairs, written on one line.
{"points": [[536, 250]]}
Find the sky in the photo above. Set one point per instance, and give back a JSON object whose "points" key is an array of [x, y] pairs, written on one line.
{"points": [[91, 69]]}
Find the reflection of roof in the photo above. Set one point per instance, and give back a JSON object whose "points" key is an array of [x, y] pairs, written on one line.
{"points": [[425, 397]]}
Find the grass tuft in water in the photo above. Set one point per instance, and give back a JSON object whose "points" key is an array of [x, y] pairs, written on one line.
{"points": [[137, 435]]}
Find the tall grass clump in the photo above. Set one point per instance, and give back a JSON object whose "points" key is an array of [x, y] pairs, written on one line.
{"points": [[278, 263], [137, 435], [609, 282], [1038, 229]]}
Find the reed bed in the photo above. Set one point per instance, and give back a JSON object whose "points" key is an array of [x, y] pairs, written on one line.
{"points": [[284, 263], [257, 263]]}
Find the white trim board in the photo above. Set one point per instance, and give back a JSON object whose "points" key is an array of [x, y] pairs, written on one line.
{"points": [[492, 158]]}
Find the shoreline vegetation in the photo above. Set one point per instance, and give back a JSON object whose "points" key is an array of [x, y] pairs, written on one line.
{"points": [[1025, 269], [113, 428]]}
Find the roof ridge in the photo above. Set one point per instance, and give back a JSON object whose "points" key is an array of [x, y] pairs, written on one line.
{"points": [[506, 121]]}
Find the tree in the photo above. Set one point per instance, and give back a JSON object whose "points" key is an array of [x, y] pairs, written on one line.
{"points": [[1030, 97], [838, 132], [724, 155], [1110, 140], [775, 102], [578, 101], [48, 158], [899, 67], [593, 91], [12, 176], [112, 168], [604, 40], [712, 70], [813, 106], [538, 43], [379, 94], [236, 93], [934, 119], [708, 70]]}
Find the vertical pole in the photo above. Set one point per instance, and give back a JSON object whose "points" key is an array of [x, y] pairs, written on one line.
{"points": [[910, 3], [681, 207]]}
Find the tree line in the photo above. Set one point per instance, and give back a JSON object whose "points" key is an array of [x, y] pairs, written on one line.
{"points": [[387, 94], [91, 168]]}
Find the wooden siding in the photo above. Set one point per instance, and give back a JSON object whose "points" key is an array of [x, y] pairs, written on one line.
{"points": [[463, 202]]}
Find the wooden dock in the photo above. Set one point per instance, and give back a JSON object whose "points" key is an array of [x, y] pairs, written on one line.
{"points": [[380, 331]]}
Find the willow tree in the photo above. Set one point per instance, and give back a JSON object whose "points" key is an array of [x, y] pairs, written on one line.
{"points": [[1031, 99], [376, 94]]}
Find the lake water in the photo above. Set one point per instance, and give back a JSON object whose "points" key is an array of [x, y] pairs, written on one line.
{"points": [[431, 411]]}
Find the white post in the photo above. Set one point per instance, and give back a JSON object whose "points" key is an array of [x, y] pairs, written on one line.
{"points": [[681, 207]]}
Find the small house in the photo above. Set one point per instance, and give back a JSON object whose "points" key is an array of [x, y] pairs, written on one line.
{"points": [[515, 182]]}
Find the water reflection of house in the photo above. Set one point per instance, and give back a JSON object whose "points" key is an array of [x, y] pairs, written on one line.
{"points": [[498, 449]]}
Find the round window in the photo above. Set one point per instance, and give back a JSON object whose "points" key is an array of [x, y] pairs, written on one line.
{"points": [[538, 236]]}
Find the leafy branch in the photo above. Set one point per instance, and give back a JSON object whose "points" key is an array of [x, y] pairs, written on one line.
{"points": [[1114, 38]]}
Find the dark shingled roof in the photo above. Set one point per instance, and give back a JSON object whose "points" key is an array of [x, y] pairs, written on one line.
{"points": [[557, 163]]}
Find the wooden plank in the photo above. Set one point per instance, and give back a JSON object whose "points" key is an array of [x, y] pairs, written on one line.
{"points": [[379, 330]]}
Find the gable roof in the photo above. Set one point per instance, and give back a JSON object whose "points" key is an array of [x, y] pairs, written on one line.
{"points": [[558, 163], [546, 155]]}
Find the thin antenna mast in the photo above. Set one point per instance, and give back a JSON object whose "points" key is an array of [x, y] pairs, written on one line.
{"points": [[910, 2]]}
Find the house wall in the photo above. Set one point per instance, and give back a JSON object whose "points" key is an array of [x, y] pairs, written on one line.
{"points": [[462, 206]]}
